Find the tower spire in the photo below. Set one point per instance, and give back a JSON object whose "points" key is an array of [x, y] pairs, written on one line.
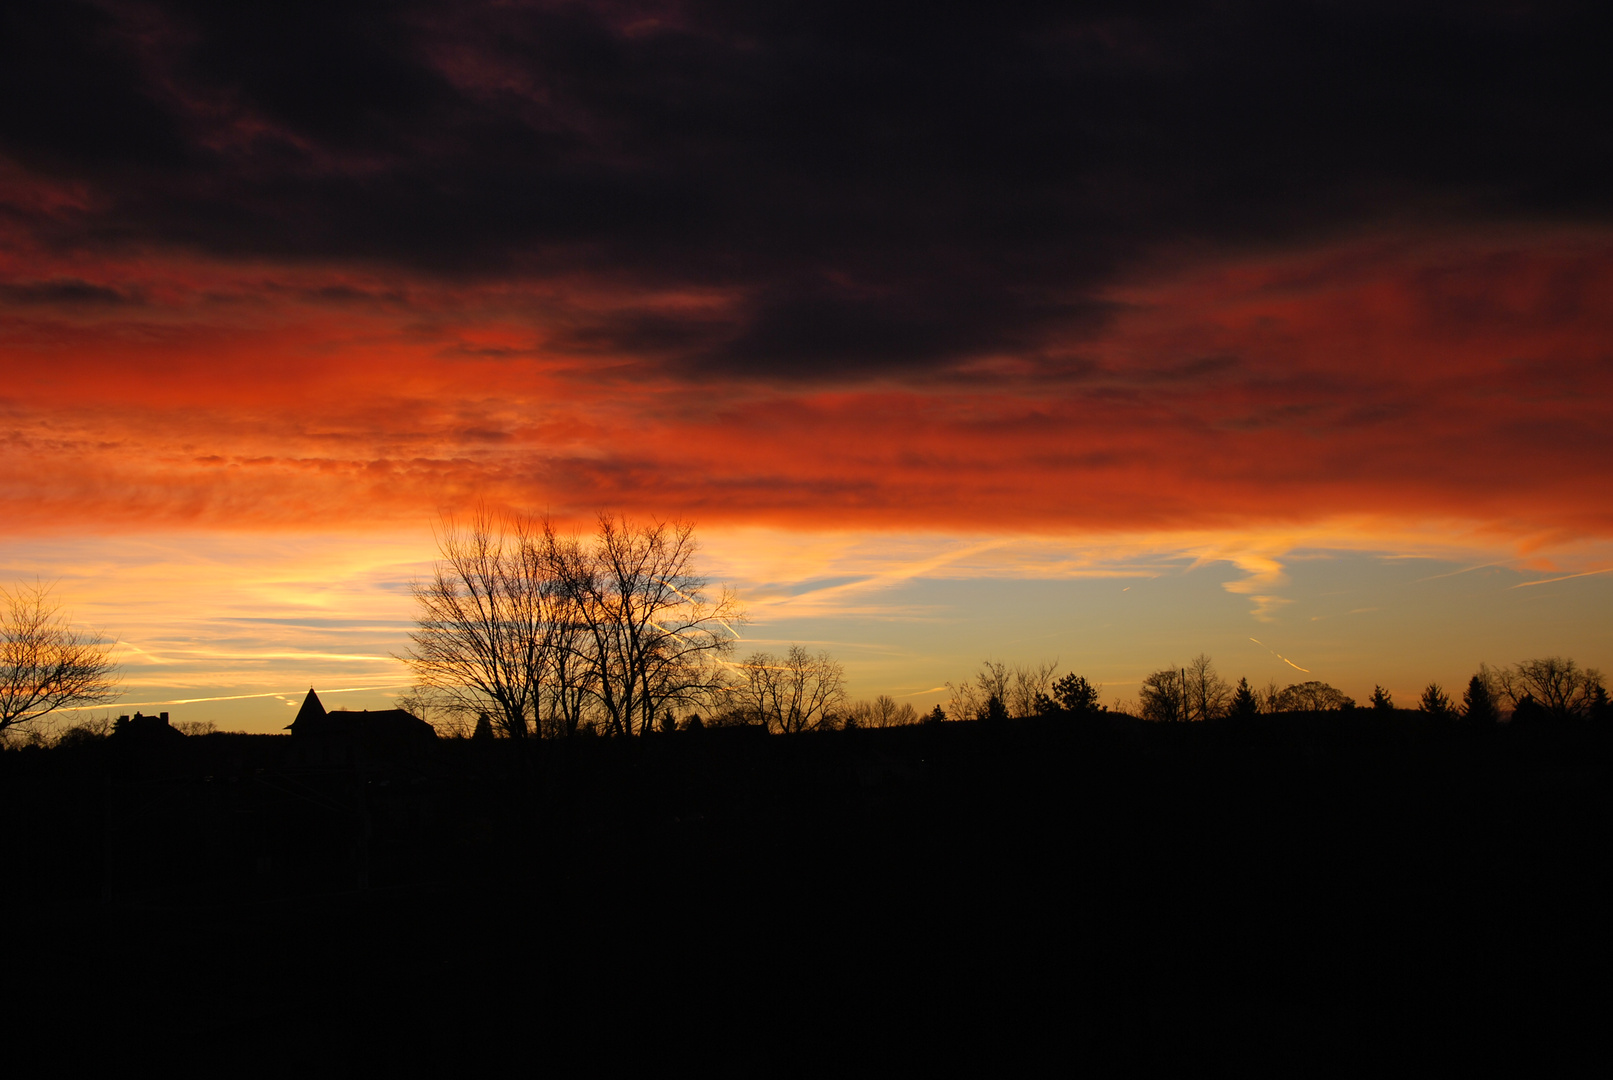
{"points": [[312, 711]]}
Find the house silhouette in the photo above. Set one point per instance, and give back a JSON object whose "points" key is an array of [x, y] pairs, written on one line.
{"points": [[351, 735], [145, 728]]}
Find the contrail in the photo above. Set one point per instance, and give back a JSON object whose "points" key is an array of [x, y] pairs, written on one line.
{"points": [[692, 603], [1280, 656], [1565, 577], [229, 697]]}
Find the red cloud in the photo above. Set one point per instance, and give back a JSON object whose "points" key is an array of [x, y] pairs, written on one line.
{"points": [[1422, 380]]}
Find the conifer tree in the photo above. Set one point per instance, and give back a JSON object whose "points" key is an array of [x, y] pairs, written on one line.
{"points": [[1478, 704], [1244, 703], [1434, 702]]}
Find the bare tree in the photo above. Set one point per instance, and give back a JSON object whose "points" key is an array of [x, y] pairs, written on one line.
{"points": [[568, 684], [882, 712], [965, 702], [1163, 696], [999, 690], [1207, 693], [45, 663], [1268, 696], [1031, 681], [993, 681], [480, 632], [795, 692], [656, 638], [534, 628], [1558, 685], [447, 713], [1191, 692]]}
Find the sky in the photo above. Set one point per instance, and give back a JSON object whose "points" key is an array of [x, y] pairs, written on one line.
{"points": [[1104, 334]]}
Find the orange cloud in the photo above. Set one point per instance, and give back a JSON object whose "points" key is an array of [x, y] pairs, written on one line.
{"points": [[1434, 379]]}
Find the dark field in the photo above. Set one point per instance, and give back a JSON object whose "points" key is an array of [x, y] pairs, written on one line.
{"points": [[1332, 893]]}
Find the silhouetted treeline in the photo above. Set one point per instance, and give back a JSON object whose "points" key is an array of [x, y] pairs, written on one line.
{"points": [[1546, 690]]}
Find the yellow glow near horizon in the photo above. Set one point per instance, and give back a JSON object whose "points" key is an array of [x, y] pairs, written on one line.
{"points": [[221, 618]]}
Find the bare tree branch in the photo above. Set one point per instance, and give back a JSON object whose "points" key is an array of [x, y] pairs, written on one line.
{"points": [[535, 628], [46, 664], [795, 692]]}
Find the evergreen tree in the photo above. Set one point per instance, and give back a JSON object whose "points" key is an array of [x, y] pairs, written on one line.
{"points": [[1478, 704], [1381, 700], [1076, 695], [1527, 712], [1434, 702], [1244, 702]]}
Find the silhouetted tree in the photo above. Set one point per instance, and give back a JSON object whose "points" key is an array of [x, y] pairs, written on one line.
{"points": [[1162, 696], [1527, 712], [1381, 701], [1312, 696], [655, 638], [448, 714], [86, 732], [527, 625], [483, 631], [1269, 696], [567, 689], [1207, 693], [1193, 692], [1075, 695], [935, 716], [1435, 703], [1020, 691], [795, 692], [1560, 688], [45, 663], [883, 712], [1244, 703], [1029, 682], [969, 697], [1478, 703]]}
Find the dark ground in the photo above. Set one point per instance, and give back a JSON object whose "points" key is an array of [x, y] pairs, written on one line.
{"points": [[1333, 893]]}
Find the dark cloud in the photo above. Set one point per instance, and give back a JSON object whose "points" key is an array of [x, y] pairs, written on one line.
{"points": [[77, 99], [887, 187], [62, 292]]}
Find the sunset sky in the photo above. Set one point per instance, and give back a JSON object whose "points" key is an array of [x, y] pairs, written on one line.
{"points": [[1107, 334]]}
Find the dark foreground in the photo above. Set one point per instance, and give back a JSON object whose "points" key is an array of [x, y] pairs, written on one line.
{"points": [[1333, 893]]}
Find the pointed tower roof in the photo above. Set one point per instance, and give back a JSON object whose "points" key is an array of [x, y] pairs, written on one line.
{"points": [[311, 713]]}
